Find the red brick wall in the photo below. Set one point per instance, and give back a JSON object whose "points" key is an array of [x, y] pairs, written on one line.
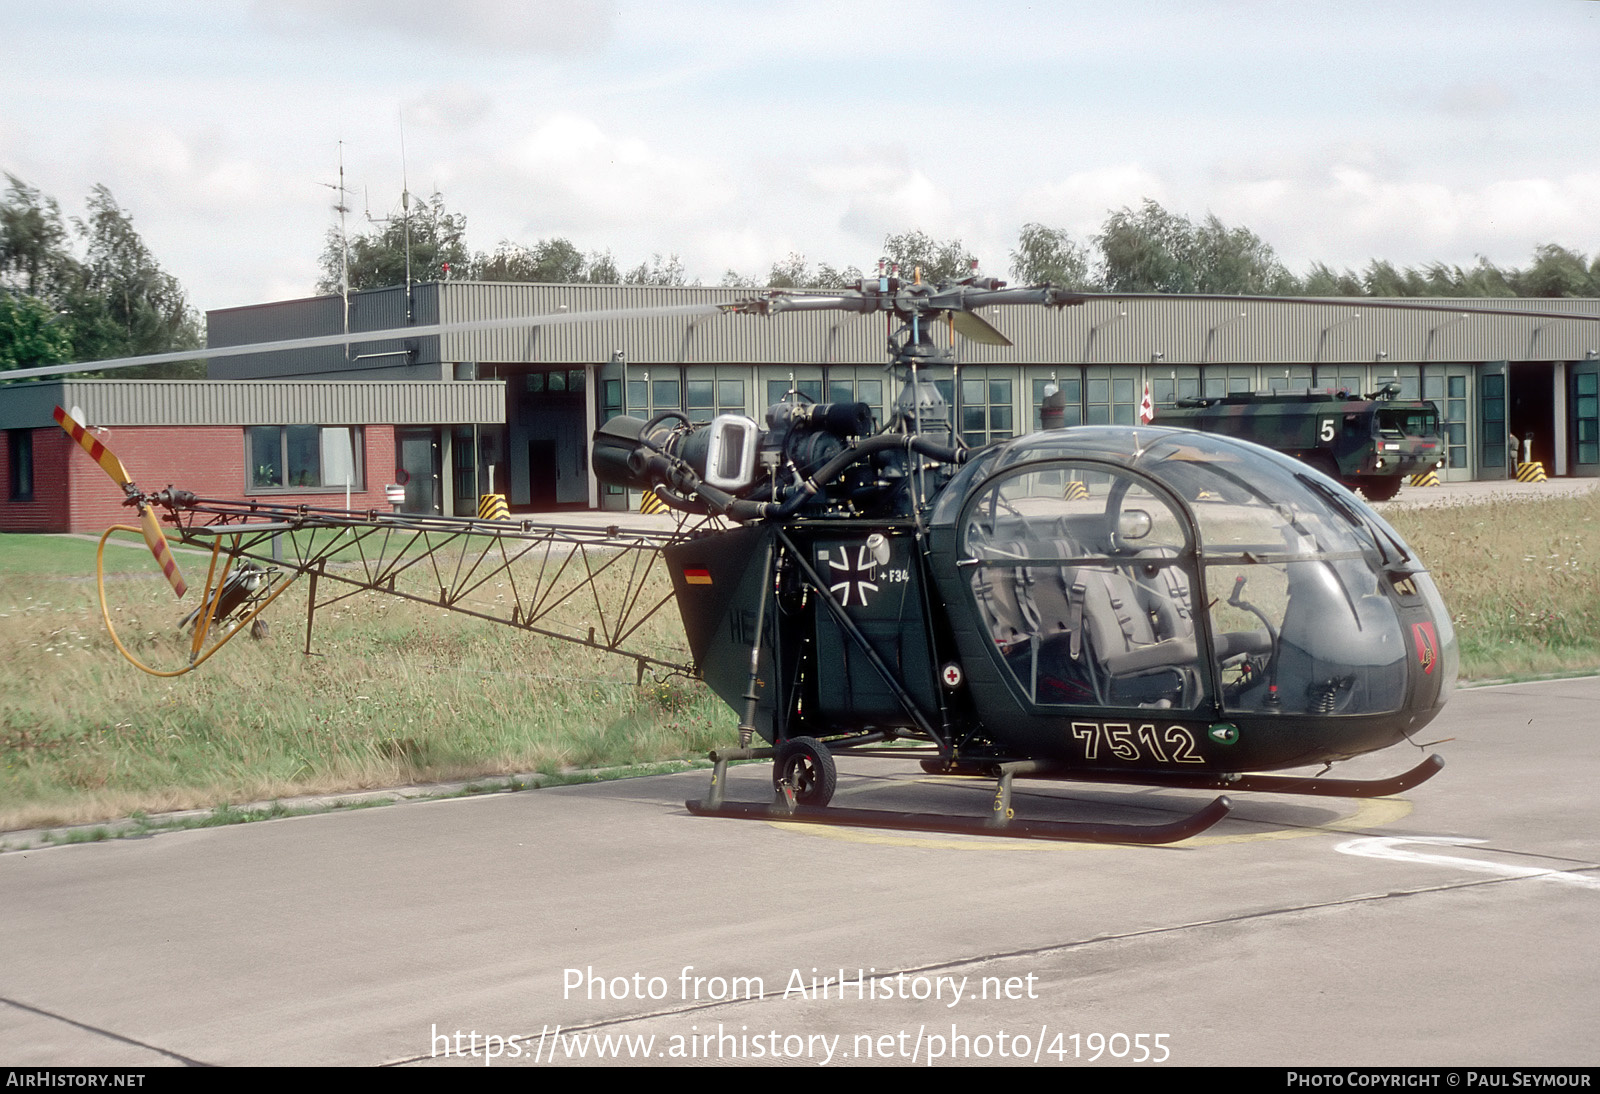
{"points": [[47, 512], [73, 494]]}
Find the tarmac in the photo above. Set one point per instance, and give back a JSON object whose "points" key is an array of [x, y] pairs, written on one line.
{"points": [[1449, 927]]}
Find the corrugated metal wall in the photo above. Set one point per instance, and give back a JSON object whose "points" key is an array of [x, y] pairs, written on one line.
{"points": [[378, 309], [1131, 331], [247, 402]]}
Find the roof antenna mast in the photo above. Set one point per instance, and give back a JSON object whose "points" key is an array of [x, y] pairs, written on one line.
{"points": [[405, 206], [341, 208]]}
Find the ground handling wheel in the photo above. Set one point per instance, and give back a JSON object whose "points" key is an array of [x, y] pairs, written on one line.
{"points": [[806, 765]]}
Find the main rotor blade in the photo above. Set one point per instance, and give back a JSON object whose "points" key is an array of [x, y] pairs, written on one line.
{"points": [[552, 319], [1356, 303], [157, 542], [97, 451], [771, 304]]}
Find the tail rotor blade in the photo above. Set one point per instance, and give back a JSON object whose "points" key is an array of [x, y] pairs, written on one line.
{"points": [[97, 451], [157, 541]]}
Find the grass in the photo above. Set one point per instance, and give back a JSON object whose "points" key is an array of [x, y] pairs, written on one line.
{"points": [[61, 555], [1521, 577], [403, 693]]}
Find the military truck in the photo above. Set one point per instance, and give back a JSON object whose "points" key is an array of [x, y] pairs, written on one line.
{"points": [[1370, 443]]}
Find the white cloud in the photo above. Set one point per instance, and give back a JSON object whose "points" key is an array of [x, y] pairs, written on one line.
{"points": [[1081, 202], [1352, 215], [510, 26], [449, 108], [732, 140]]}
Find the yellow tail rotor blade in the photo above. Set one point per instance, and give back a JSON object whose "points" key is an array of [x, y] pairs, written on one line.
{"points": [[157, 541], [99, 452]]}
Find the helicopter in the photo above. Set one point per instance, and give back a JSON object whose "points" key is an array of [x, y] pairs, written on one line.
{"points": [[1137, 605]]}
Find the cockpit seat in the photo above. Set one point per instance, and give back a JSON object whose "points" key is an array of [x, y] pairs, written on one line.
{"points": [[1078, 630]]}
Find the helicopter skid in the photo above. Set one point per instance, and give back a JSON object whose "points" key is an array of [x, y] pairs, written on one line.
{"points": [[973, 826], [1257, 783], [1001, 821]]}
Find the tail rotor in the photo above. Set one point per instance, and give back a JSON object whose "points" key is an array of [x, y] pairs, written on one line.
{"points": [[149, 524]]}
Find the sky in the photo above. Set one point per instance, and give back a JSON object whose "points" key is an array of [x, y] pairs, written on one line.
{"points": [[734, 134]]}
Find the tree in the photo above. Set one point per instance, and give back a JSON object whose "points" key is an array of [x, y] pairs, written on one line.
{"points": [[1236, 260], [794, 272], [603, 269], [938, 261], [434, 238], [1147, 251], [1050, 255], [125, 304], [1557, 271], [789, 273], [113, 301], [31, 333], [1324, 280], [550, 261], [34, 256], [1153, 250], [657, 271]]}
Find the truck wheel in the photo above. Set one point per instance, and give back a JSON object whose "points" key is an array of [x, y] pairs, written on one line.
{"points": [[1381, 489], [1321, 461]]}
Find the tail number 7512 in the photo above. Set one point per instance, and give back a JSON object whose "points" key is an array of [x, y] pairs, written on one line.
{"points": [[1125, 741]]}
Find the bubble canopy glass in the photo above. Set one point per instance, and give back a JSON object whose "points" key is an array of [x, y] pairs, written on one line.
{"points": [[1144, 567]]}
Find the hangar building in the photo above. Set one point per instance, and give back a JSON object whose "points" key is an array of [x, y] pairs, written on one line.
{"points": [[1489, 375], [511, 410]]}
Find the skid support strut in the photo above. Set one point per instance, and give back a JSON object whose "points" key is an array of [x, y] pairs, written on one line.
{"points": [[1001, 821]]}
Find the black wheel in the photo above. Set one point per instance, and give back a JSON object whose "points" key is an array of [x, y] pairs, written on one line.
{"points": [[1381, 489], [807, 765], [1324, 463]]}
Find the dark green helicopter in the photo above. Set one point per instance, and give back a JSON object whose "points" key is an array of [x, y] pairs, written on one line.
{"points": [[1126, 604]]}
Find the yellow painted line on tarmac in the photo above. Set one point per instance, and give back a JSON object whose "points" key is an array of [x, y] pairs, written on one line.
{"points": [[1368, 813]]}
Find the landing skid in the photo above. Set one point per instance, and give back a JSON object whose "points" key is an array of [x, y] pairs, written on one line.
{"points": [[788, 807], [1280, 784], [1010, 829]]}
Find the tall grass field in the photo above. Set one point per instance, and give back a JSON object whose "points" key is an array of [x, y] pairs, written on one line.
{"points": [[400, 692]]}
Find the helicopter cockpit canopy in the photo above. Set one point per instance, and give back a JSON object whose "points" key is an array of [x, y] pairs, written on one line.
{"points": [[1118, 567]]}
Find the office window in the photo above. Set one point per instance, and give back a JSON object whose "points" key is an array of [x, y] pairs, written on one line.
{"points": [[809, 390], [303, 457], [986, 410], [20, 444]]}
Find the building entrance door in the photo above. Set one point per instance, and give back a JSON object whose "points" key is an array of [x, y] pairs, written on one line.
{"points": [[1448, 387], [1531, 408], [422, 461], [549, 431]]}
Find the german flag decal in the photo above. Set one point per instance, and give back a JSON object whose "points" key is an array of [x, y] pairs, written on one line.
{"points": [[696, 576]]}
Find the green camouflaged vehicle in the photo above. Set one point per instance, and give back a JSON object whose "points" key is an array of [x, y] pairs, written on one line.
{"points": [[1368, 443]]}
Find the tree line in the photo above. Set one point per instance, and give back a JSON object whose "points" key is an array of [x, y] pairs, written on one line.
{"points": [[1148, 249], [429, 242], [88, 288], [85, 288]]}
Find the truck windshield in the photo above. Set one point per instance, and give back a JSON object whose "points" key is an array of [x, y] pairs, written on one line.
{"points": [[1411, 421]]}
